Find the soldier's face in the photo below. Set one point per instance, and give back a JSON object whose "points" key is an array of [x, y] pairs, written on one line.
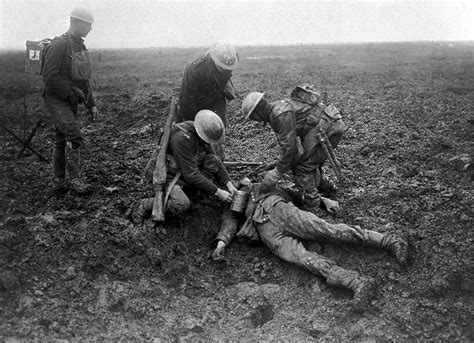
{"points": [[83, 28], [256, 116]]}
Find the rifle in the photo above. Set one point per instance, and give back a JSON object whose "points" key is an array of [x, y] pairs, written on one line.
{"points": [[326, 144], [159, 174], [242, 164]]}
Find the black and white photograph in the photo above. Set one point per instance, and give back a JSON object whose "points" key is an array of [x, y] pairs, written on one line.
{"points": [[236, 171]]}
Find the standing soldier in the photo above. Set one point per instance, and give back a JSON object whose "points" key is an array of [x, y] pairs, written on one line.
{"points": [[206, 83], [297, 130], [66, 73]]}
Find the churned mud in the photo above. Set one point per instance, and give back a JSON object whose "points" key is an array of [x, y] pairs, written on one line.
{"points": [[76, 269]]}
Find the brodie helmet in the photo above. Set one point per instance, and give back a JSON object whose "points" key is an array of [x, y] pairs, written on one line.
{"points": [[209, 127], [250, 102], [82, 14], [224, 56]]}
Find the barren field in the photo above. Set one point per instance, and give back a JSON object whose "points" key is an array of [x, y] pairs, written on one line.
{"points": [[76, 268]]}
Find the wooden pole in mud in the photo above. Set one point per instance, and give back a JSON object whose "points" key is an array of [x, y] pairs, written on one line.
{"points": [[42, 158], [159, 174]]}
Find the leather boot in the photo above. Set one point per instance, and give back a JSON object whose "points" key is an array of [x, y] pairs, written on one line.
{"points": [[397, 245], [363, 287], [310, 196], [326, 186], [59, 162], [73, 168], [144, 207]]}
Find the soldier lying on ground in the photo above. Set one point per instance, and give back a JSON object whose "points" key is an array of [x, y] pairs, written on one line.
{"points": [[274, 219], [192, 164]]}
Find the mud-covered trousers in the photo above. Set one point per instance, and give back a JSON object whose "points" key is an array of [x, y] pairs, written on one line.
{"points": [[287, 225], [63, 117]]}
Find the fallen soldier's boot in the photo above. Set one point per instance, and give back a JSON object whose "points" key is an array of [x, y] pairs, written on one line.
{"points": [[363, 289], [397, 245]]}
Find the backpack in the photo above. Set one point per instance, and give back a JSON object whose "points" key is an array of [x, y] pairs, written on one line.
{"points": [[310, 111], [35, 56]]}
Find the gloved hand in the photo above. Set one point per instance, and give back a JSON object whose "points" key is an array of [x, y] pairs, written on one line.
{"points": [[218, 254], [231, 188], [270, 180], [94, 112], [223, 195]]}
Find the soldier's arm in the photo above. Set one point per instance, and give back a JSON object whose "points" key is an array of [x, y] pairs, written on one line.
{"points": [[285, 129], [184, 155], [230, 223], [189, 91]]}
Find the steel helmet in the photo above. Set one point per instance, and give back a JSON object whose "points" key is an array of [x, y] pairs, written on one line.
{"points": [[82, 14], [209, 127], [250, 102], [224, 56]]}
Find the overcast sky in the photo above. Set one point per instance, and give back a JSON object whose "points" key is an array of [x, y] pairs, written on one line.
{"points": [[146, 23]]}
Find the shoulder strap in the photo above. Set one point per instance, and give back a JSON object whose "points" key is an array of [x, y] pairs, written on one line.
{"points": [[70, 43]]}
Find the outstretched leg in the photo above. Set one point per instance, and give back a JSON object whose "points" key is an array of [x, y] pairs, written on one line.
{"points": [[292, 250], [308, 226]]}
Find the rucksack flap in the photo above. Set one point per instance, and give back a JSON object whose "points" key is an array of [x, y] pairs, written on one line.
{"points": [[306, 93]]}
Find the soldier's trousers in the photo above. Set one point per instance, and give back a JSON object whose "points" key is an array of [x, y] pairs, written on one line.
{"points": [[288, 224], [67, 129]]}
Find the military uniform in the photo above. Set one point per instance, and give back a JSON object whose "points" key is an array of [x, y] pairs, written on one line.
{"points": [[279, 224], [199, 169], [296, 130], [64, 82], [204, 87]]}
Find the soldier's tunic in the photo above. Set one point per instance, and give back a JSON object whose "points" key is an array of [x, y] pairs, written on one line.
{"points": [[203, 87], [59, 97]]}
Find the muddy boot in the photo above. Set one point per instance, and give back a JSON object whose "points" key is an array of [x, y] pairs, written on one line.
{"points": [[144, 207], [326, 186], [397, 245], [58, 185], [73, 167], [363, 287], [391, 242], [310, 196]]}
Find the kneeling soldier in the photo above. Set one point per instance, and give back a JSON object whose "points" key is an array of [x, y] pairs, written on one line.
{"points": [[191, 163]]}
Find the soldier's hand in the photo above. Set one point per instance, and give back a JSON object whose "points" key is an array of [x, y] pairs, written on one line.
{"points": [[332, 206], [94, 112], [218, 254], [231, 188], [223, 195], [270, 180]]}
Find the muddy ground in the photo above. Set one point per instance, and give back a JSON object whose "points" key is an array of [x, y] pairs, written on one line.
{"points": [[76, 269]]}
